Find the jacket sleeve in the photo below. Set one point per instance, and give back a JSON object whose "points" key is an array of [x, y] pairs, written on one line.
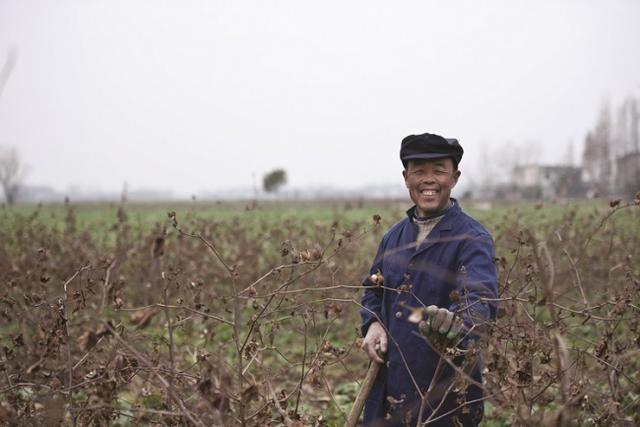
{"points": [[476, 279], [371, 309]]}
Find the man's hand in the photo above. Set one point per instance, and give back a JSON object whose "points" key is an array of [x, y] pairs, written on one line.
{"points": [[375, 343], [442, 321]]}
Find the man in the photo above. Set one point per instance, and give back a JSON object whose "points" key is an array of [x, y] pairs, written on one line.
{"points": [[436, 263]]}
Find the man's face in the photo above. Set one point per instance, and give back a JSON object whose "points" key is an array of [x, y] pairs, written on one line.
{"points": [[430, 182]]}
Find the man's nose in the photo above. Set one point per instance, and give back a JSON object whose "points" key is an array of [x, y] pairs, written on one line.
{"points": [[428, 179]]}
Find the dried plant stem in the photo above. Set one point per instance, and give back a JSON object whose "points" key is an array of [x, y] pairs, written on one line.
{"points": [[333, 398], [86, 355], [276, 403], [363, 393], [427, 394], [185, 412], [231, 270], [556, 337], [575, 271], [302, 372], [189, 309], [67, 339], [236, 339], [254, 322], [21, 385], [470, 402], [171, 348], [106, 285], [603, 221], [505, 286]]}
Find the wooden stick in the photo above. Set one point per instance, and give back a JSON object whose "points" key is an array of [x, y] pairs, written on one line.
{"points": [[365, 389]]}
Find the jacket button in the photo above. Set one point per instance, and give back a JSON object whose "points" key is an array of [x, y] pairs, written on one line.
{"points": [[388, 363], [398, 314]]}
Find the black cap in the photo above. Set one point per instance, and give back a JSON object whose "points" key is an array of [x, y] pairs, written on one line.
{"points": [[430, 146]]}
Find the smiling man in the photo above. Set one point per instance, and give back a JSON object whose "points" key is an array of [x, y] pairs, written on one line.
{"points": [[430, 288]]}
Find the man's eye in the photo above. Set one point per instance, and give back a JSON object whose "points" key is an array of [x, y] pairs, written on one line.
{"points": [[441, 172]]}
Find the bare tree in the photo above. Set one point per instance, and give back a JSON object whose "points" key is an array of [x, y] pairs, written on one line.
{"points": [[635, 124], [597, 158], [508, 156], [11, 172], [10, 169], [627, 129], [5, 72]]}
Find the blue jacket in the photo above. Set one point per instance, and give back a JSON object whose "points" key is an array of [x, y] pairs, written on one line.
{"points": [[458, 255]]}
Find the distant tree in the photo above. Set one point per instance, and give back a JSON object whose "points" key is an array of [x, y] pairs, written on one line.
{"points": [[11, 172], [10, 168], [635, 124], [507, 157], [621, 140], [275, 179], [627, 127], [597, 158], [5, 72]]}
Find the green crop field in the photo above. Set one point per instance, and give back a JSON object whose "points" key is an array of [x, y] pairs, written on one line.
{"points": [[247, 313]]}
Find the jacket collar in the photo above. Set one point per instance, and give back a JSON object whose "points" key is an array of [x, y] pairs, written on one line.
{"points": [[445, 223]]}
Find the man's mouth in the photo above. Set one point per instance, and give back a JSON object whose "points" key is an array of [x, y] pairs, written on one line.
{"points": [[429, 193]]}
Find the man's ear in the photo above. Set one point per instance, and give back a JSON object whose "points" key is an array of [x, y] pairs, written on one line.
{"points": [[456, 176], [404, 175]]}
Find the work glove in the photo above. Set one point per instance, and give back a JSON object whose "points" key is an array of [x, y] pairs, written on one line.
{"points": [[441, 321]]}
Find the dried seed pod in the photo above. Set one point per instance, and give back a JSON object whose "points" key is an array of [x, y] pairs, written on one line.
{"points": [[377, 279]]}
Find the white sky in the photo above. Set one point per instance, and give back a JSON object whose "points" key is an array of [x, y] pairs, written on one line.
{"points": [[196, 96]]}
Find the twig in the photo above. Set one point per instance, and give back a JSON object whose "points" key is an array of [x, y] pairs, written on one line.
{"points": [[21, 385], [513, 265], [63, 314], [333, 398], [302, 373], [600, 225], [189, 309], [575, 270], [276, 402], [363, 393], [163, 381], [231, 270], [81, 361], [427, 394], [106, 286], [170, 331], [468, 402], [558, 341]]}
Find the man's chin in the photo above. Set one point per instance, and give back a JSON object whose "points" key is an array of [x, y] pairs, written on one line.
{"points": [[429, 210]]}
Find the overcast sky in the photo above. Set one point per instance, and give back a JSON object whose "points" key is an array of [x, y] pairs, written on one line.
{"points": [[197, 96]]}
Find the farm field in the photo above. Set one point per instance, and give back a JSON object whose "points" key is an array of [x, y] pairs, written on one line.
{"points": [[234, 313]]}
